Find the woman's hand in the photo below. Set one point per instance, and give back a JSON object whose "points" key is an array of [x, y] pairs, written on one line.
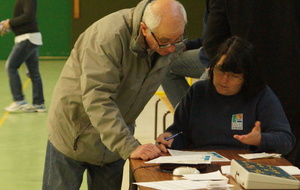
{"points": [[252, 138], [162, 144]]}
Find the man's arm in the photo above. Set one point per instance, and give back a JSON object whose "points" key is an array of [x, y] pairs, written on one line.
{"points": [[29, 9]]}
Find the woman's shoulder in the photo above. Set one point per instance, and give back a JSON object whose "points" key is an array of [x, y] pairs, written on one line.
{"points": [[267, 95], [200, 87], [200, 84], [267, 91]]}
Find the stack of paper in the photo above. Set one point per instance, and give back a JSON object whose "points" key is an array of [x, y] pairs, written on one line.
{"points": [[194, 181]]}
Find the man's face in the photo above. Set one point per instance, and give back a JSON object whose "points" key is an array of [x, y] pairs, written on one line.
{"points": [[164, 39]]}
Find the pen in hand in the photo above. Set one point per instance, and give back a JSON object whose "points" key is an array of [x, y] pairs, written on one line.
{"points": [[171, 137]]}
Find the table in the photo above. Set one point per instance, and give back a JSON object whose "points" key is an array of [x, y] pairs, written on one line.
{"points": [[147, 174]]}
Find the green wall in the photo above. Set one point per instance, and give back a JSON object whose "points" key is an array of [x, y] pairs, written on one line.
{"points": [[60, 30], [92, 10], [54, 19]]}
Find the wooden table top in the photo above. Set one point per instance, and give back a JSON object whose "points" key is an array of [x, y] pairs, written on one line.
{"points": [[142, 172]]}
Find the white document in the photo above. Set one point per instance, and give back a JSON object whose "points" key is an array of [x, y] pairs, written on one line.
{"points": [[205, 177], [174, 185], [183, 159], [215, 157], [292, 170], [260, 155], [225, 170]]}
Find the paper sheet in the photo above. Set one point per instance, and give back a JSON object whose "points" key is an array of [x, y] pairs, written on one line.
{"points": [[215, 157], [225, 170], [205, 176], [260, 155], [292, 170], [174, 185], [182, 159]]}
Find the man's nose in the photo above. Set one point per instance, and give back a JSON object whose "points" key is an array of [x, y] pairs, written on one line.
{"points": [[172, 48]]}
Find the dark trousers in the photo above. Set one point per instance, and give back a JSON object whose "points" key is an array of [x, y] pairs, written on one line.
{"points": [[64, 173]]}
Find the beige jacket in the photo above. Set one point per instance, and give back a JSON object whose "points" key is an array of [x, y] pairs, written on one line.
{"points": [[104, 86]]}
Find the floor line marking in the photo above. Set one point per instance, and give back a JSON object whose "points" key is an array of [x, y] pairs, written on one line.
{"points": [[6, 113]]}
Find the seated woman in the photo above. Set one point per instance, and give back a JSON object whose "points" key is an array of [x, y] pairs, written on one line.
{"points": [[233, 109]]}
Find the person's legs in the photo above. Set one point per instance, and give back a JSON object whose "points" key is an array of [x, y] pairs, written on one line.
{"points": [[17, 56], [187, 64], [32, 63], [61, 172], [105, 177]]}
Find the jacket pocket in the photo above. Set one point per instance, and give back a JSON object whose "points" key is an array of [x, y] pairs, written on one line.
{"points": [[82, 126]]}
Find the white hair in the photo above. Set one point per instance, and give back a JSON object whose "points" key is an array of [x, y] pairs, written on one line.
{"points": [[152, 17]]}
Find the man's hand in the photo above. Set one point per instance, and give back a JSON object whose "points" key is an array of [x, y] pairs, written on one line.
{"points": [[146, 152], [162, 143], [252, 138]]}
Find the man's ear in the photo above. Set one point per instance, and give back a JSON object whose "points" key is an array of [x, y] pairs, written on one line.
{"points": [[143, 28]]}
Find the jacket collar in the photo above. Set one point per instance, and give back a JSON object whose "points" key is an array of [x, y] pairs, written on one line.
{"points": [[137, 42]]}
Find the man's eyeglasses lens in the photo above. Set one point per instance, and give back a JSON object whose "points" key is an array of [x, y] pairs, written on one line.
{"points": [[183, 39]]}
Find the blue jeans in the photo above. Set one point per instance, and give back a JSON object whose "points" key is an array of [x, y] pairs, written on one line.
{"points": [[64, 173], [187, 64], [26, 52]]}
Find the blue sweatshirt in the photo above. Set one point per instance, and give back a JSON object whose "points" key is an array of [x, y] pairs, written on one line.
{"points": [[209, 120]]}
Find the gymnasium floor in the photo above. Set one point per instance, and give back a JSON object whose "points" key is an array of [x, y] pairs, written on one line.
{"points": [[23, 135]]}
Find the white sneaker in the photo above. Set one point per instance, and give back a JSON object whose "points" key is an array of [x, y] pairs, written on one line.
{"points": [[16, 106], [35, 108]]}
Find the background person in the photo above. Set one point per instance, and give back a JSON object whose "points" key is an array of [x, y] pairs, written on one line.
{"points": [[233, 109], [273, 28], [188, 64], [26, 49], [111, 74], [191, 63]]}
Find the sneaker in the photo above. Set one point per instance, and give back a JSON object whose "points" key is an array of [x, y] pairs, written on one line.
{"points": [[16, 106], [35, 108]]}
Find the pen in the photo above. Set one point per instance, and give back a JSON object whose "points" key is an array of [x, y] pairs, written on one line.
{"points": [[171, 137]]}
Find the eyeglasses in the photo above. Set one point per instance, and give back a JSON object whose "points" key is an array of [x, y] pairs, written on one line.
{"points": [[231, 76], [181, 41]]}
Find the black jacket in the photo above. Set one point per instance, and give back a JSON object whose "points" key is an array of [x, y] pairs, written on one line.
{"points": [[24, 17]]}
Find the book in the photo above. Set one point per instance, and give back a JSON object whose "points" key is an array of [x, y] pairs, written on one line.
{"points": [[260, 176]]}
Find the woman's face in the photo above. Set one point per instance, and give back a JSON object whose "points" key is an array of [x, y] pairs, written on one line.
{"points": [[227, 83]]}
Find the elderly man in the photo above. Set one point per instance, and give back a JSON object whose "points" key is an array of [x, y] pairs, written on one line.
{"points": [[114, 69]]}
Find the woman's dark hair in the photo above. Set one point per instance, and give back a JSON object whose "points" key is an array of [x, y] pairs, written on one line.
{"points": [[241, 59]]}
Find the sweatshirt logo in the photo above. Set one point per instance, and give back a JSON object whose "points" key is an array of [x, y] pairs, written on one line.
{"points": [[237, 122]]}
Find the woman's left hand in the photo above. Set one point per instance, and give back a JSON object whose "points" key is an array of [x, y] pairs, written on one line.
{"points": [[252, 138]]}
